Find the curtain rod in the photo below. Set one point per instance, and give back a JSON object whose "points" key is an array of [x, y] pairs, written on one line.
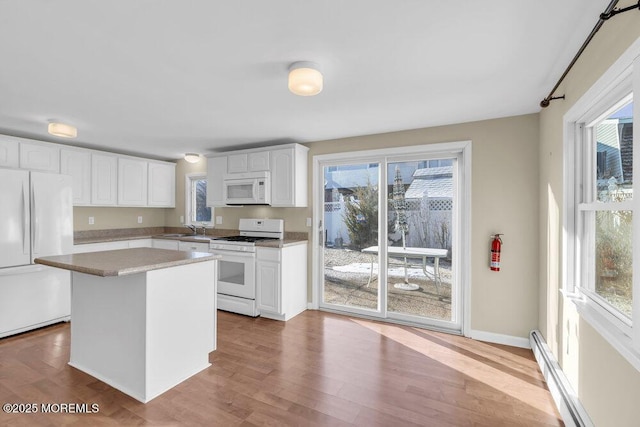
{"points": [[609, 12]]}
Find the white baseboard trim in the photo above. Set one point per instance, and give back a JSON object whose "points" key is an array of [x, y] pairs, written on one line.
{"points": [[570, 408], [500, 339]]}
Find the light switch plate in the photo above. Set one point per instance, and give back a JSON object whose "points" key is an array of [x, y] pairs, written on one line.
{"points": [[308, 222], [92, 220], [219, 219], [139, 220]]}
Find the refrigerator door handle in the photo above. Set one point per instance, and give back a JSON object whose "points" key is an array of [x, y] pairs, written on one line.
{"points": [[25, 220], [34, 235]]}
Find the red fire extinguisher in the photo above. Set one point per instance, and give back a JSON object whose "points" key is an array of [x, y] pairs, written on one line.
{"points": [[496, 246]]}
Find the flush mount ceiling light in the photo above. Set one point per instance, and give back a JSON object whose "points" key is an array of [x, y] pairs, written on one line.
{"points": [[62, 130], [305, 78], [192, 157]]}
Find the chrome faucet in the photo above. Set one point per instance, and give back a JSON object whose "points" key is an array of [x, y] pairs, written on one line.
{"points": [[204, 230], [193, 228]]}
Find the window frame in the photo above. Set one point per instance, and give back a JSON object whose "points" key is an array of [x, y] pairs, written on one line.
{"points": [[189, 180], [579, 161]]}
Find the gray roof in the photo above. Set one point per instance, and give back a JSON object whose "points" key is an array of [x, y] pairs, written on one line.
{"points": [[435, 183]]}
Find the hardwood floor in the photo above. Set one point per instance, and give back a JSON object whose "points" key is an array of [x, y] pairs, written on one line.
{"points": [[317, 369]]}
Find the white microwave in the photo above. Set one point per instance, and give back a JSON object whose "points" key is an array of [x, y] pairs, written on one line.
{"points": [[252, 188]]}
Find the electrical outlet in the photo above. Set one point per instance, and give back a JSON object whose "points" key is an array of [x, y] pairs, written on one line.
{"points": [[181, 219], [308, 222], [92, 220], [219, 219], [139, 220]]}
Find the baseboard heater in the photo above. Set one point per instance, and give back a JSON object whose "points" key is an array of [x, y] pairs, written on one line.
{"points": [[568, 404]]}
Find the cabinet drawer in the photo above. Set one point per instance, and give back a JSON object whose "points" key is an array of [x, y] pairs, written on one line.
{"points": [[193, 246], [268, 254]]}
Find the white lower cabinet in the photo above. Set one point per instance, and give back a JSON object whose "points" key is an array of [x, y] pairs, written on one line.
{"points": [[281, 281], [110, 246], [166, 244], [193, 246]]}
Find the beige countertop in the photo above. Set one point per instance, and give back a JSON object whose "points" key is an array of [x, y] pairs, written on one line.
{"points": [[122, 262], [200, 239]]}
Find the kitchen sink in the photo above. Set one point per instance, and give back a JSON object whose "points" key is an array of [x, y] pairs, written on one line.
{"points": [[176, 235]]}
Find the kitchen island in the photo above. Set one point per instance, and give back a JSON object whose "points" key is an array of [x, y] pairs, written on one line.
{"points": [[143, 319]]}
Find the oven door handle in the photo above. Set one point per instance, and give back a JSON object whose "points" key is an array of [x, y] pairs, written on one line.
{"points": [[238, 254]]}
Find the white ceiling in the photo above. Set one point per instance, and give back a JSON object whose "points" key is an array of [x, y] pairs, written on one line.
{"points": [[160, 78]]}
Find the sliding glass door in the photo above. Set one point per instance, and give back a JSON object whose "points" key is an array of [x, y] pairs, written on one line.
{"points": [[351, 217], [421, 205], [411, 274]]}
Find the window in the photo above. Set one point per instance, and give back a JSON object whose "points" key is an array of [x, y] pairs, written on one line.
{"points": [[196, 208], [602, 228], [606, 210]]}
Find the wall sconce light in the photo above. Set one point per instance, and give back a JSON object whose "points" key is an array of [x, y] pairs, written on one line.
{"points": [[305, 78], [62, 130], [192, 157]]}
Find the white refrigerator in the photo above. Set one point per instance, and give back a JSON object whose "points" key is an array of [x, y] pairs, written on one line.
{"points": [[36, 220]]}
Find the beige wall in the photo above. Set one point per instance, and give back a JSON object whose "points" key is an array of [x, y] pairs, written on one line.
{"points": [[607, 385], [111, 218]]}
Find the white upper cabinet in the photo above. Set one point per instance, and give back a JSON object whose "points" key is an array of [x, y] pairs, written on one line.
{"points": [[99, 178], [39, 156], [162, 185], [104, 179], [289, 176], [132, 182], [248, 162], [287, 164], [237, 163], [259, 161], [77, 163], [216, 169], [9, 152]]}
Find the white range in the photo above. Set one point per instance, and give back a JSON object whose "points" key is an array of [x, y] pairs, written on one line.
{"points": [[237, 267]]}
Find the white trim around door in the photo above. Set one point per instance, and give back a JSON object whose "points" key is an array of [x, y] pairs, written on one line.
{"points": [[461, 150]]}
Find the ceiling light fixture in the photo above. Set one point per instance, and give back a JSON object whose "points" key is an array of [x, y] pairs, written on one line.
{"points": [[192, 157], [62, 130], [305, 78]]}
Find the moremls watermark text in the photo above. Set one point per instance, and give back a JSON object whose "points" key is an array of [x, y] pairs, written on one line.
{"points": [[51, 408]]}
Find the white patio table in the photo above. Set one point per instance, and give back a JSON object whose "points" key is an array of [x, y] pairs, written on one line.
{"points": [[408, 252]]}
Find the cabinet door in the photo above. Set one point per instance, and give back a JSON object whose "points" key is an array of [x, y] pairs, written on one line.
{"points": [[282, 177], [102, 246], [216, 168], [77, 163], [237, 163], [166, 244], [9, 152], [259, 161], [162, 185], [104, 179], [268, 285], [40, 157], [132, 182]]}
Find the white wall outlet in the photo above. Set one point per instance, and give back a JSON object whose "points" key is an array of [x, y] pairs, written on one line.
{"points": [[219, 219], [92, 220], [181, 219], [308, 222], [139, 220]]}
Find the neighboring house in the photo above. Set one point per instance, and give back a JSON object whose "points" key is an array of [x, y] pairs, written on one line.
{"points": [[615, 153], [429, 201]]}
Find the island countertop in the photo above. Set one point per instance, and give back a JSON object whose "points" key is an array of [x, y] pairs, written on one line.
{"points": [[123, 262]]}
